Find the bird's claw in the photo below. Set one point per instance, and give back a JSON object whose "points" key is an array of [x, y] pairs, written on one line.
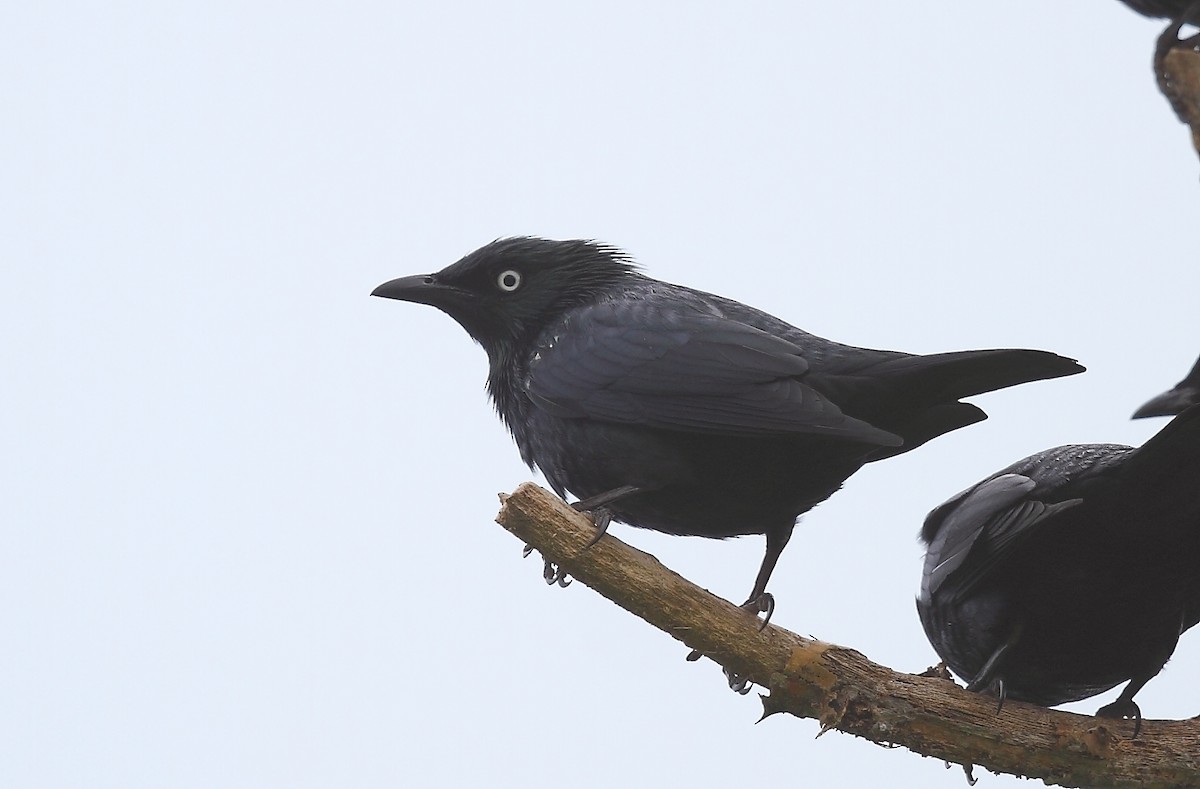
{"points": [[995, 685], [738, 683], [551, 573], [596, 507], [601, 517], [1123, 709], [763, 604], [554, 574]]}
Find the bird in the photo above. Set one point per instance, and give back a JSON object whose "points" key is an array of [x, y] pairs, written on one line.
{"points": [[1069, 572], [680, 411], [1171, 402]]}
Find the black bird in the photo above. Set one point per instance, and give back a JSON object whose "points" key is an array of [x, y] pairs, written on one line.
{"points": [[687, 413], [1171, 402], [1069, 572]]}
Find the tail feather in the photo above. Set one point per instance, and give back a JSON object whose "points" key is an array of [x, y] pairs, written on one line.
{"points": [[916, 397], [950, 376]]}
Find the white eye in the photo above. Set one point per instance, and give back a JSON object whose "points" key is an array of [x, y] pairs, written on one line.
{"points": [[509, 280]]}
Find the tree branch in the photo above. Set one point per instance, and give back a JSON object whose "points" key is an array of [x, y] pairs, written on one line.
{"points": [[1181, 86], [844, 690]]}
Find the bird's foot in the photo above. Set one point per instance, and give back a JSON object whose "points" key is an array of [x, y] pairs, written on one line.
{"points": [[738, 683], [597, 507], [551, 573], [990, 685], [763, 604], [601, 517], [554, 574], [1123, 709]]}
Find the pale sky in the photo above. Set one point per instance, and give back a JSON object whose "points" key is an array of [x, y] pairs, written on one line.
{"points": [[246, 538]]}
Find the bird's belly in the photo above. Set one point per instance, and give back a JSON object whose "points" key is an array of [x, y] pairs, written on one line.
{"points": [[693, 483]]}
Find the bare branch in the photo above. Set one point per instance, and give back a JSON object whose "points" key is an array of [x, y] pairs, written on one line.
{"points": [[1181, 86], [842, 689]]}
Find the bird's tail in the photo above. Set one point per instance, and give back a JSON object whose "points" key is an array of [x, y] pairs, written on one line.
{"points": [[917, 397], [941, 377]]}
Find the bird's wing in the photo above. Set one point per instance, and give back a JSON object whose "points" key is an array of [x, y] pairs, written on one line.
{"points": [[974, 530], [651, 364]]}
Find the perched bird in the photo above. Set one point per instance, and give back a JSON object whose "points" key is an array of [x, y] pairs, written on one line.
{"points": [[1174, 400], [675, 410], [1069, 572]]}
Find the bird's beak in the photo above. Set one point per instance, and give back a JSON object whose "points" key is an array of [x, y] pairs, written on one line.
{"points": [[1168, 403], [422, 289]]}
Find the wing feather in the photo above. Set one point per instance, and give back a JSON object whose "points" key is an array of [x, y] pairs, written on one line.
{"points": [[982, 524], [638, 363]]}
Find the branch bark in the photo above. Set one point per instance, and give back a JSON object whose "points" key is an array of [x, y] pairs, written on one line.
{"points": [[842, 689], [1182, 88]]}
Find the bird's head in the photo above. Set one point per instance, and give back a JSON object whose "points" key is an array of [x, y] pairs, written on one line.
{"points": [[514, 287], [1169, 403], [1176, 400]]}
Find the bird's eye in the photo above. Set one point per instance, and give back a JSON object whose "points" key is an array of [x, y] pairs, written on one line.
{"points": [[509, 280]]}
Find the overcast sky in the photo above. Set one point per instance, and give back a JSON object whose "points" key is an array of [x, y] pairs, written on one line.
{"points": [[247, 537]]}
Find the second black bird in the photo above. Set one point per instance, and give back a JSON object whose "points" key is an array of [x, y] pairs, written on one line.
{"points": [[676, 410], [1070, 571]]}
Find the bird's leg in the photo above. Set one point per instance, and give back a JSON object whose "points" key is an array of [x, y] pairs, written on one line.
{"points": [[1125, 706], [988, 678], [1168, 40], [597, 507], [760, 600]]}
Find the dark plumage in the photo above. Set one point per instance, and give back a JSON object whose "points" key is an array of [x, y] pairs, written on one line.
{"points": [[1166, 9], [684, 412], [1183, 394], [1070, 571]]}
